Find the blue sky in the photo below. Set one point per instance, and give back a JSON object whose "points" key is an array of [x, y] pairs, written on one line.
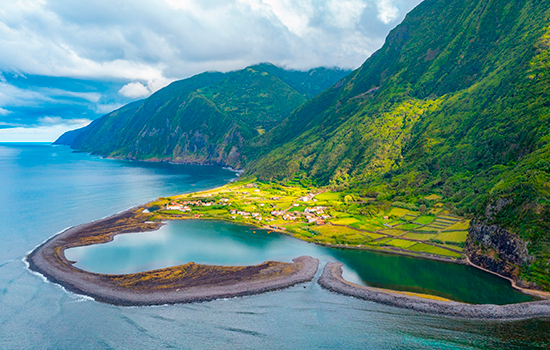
{"points": [[65, 62]]}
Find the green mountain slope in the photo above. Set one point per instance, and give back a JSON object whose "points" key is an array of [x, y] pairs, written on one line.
{"points": [[455, 103], [205, 119]]}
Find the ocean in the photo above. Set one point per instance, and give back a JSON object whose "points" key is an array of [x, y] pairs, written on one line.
{"points": [[45, 189]]}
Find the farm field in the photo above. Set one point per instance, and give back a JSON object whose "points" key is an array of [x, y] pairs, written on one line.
{"points": [[324, 217]]}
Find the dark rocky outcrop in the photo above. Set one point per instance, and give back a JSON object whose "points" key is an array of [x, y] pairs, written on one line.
{"points": [[498, 250]]}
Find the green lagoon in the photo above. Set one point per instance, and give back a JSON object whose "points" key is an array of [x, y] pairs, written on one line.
{"points": [[224, 243]]}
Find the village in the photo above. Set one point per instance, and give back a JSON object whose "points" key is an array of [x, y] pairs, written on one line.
{"points": [[195, 207], [325, 217]]}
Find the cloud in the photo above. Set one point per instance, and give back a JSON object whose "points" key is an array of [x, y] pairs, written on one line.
{"points": [[107, 108], [159, 41], [113, 51], [387, 11], [66, 122], [134, 90], [46, 133]]}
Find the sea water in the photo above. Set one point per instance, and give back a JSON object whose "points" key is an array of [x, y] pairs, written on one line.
{"points": [[223, 243], [44, 189]]}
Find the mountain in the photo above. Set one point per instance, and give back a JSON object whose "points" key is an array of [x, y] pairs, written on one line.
{"points": [[455, 103], [205, 119]]}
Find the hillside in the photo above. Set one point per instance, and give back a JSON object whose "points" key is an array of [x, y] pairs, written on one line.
{"points": [[205, 119], [455, 104]]}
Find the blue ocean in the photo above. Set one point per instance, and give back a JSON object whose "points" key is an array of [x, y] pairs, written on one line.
{"points": [[45, 189]]}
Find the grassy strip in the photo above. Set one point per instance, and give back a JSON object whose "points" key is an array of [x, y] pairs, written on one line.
{"points": [[320, 216]]}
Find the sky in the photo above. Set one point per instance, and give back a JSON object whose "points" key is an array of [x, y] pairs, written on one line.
{"points": [[64, 63]]}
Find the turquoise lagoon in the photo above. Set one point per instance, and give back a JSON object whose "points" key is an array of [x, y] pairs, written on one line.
{"points": [[45, 189], [224, 243]]}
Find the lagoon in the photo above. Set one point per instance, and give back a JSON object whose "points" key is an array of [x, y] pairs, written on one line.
{"points": [[46, 188], [223, 243]]}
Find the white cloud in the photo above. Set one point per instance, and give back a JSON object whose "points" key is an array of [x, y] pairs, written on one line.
{"points": [[107, 108], [88, 96], [45, 133], [4, 111], [346, 13], [60, 121], [387, 11], [134, 90], [157, 42]]}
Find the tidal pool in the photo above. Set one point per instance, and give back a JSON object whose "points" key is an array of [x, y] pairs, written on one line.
{"points": [[224, 243]]}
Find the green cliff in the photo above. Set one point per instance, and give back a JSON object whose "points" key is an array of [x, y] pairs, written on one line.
{"points": [[205, 119], [456, 103]]}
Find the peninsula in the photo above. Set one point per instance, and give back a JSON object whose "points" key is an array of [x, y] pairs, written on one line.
{"points": [[315, 215], [179, 284]]}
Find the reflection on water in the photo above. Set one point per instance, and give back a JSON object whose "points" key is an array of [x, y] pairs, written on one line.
{"points": [[42, 194], [224, 243]]}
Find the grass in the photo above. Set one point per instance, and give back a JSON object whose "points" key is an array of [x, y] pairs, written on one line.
{"points": [[345, 221], [427, 229], [408, 226], [461, 225], [426, 248], [366, 226], [398, 211], [433, 197], [420, 236], [455, 236], [358, 228], [329, 196], [424, 219], [401, 243], [397, 222]]}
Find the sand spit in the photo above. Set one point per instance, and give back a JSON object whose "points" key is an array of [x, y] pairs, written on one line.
{"points": [[332, 279], [179, 284]]}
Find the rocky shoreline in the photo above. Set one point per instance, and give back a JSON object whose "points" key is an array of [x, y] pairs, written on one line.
{"points": [[196, 283], [179, 284], [331, 279]]}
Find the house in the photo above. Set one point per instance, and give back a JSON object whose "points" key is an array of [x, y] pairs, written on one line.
{"points": [[307, 197]]}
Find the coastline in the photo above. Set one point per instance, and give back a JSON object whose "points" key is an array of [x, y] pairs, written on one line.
{"points": [[331, 279], [461, 261], [196, 283], [178, 284]]}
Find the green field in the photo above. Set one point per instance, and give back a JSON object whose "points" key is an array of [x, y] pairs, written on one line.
{"points": [[424, 219], [320, 216]]}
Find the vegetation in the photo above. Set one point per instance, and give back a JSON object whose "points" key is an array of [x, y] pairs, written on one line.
{"points": [[454, 106], [450, 116], [319, 216], [205, 119]]}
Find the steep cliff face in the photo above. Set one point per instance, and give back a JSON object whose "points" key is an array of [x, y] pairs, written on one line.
{"points": [[498, 250], [205, 119], [456, 103]]}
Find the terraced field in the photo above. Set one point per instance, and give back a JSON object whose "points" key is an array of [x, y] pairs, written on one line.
{"points": [[323, 217]]}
